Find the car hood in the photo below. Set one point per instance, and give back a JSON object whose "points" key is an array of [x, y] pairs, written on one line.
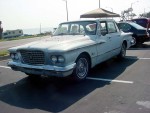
{"points": [[58, 43]]}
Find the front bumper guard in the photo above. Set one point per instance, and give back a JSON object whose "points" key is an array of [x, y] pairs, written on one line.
{"points": [[42, 70]]}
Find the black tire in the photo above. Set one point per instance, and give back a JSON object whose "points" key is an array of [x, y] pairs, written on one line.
{"points": [[139, 42], [122, 53], [82, 68]]}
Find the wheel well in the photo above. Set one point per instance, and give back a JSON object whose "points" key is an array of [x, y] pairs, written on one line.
{"points": [[134, 35], [87, 54], [125, 42]]}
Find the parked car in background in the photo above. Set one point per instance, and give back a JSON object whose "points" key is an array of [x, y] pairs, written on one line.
{"points": [[139, 33], [74, 48], [144, 22]]}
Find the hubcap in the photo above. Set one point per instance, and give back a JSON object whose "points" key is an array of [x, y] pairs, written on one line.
{"points": [[82, 68]]}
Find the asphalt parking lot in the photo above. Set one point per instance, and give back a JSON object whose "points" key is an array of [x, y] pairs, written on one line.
{"points": [[112, 87]]}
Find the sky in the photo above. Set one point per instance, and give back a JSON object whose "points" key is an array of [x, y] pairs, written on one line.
{"points": [[24, 14]]}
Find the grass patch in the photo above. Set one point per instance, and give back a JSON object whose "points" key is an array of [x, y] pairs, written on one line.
{"points": [[4, 53], [17, 38], [21, 37]]}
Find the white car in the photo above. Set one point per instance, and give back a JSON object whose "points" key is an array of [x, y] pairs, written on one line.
{"points": [[74, 48]]}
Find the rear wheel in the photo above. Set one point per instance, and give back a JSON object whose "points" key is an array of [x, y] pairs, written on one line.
{"points": [[139, 42], [82, 68]]}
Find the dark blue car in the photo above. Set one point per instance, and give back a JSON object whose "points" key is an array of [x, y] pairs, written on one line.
{"points": [[140, 33]]}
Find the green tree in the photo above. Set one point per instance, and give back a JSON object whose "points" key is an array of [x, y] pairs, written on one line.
{"points": [[147, 15]]}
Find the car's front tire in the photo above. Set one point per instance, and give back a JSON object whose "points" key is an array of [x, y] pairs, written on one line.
{"points": [[122, 53], [82, 68]]}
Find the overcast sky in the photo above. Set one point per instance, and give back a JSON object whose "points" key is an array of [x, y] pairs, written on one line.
{"points": [[22, 14]]}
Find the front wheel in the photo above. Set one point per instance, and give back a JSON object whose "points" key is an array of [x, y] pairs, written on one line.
{"points": [[82, 68], [122, 53]]}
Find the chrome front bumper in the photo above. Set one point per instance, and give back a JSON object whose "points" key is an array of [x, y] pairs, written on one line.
{"points": [[47, 70]]}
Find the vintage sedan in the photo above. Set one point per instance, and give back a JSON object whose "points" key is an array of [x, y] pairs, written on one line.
{"points": [[74, 48]]}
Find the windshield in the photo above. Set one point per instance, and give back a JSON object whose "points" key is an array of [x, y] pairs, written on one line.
{"points": [[77, 28], [136, 25]]}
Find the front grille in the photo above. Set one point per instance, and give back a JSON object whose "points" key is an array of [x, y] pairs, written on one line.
{"points": [[34, 57]]}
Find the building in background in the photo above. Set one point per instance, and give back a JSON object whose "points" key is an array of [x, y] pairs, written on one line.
{"points": [[12, 33], [1, 30]]}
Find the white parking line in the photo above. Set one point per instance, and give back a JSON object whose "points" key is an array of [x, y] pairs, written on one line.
{"points": [[90, 78], [144, 58], [110, 80], [137, 58], [4, 60], [5, 67]]}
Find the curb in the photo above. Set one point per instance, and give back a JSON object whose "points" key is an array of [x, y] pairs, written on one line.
{"points": [[4, 57]]}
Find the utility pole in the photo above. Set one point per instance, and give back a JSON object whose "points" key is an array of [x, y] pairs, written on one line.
{"points": [[99, 4], [40, 28], [132, 8], [66, 8]]}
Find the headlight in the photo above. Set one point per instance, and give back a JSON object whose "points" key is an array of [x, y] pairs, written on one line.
{"points": [[61, 59], [16, 56], [54, 59], [12, 55], [57, 59]]}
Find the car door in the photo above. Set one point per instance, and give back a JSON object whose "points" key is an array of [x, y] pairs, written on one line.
{"points": [[103, 42], [114, 37]]}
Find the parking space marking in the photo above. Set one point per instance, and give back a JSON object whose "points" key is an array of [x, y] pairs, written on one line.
{"points": [[137, 58], [144, 58], [6, 67], [110, 80], [90, 78], [4, 60]]}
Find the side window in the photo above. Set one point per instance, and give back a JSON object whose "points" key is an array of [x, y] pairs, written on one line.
{"points": [[125, 27], [103, 28], [112, 27]]}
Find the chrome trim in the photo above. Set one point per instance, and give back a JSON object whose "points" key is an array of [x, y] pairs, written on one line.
{"points": [[32, 57], [44, 67]]}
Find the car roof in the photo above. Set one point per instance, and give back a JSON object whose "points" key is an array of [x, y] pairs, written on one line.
{"points": [[141, 19], [126, 22], [95, 20]]}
